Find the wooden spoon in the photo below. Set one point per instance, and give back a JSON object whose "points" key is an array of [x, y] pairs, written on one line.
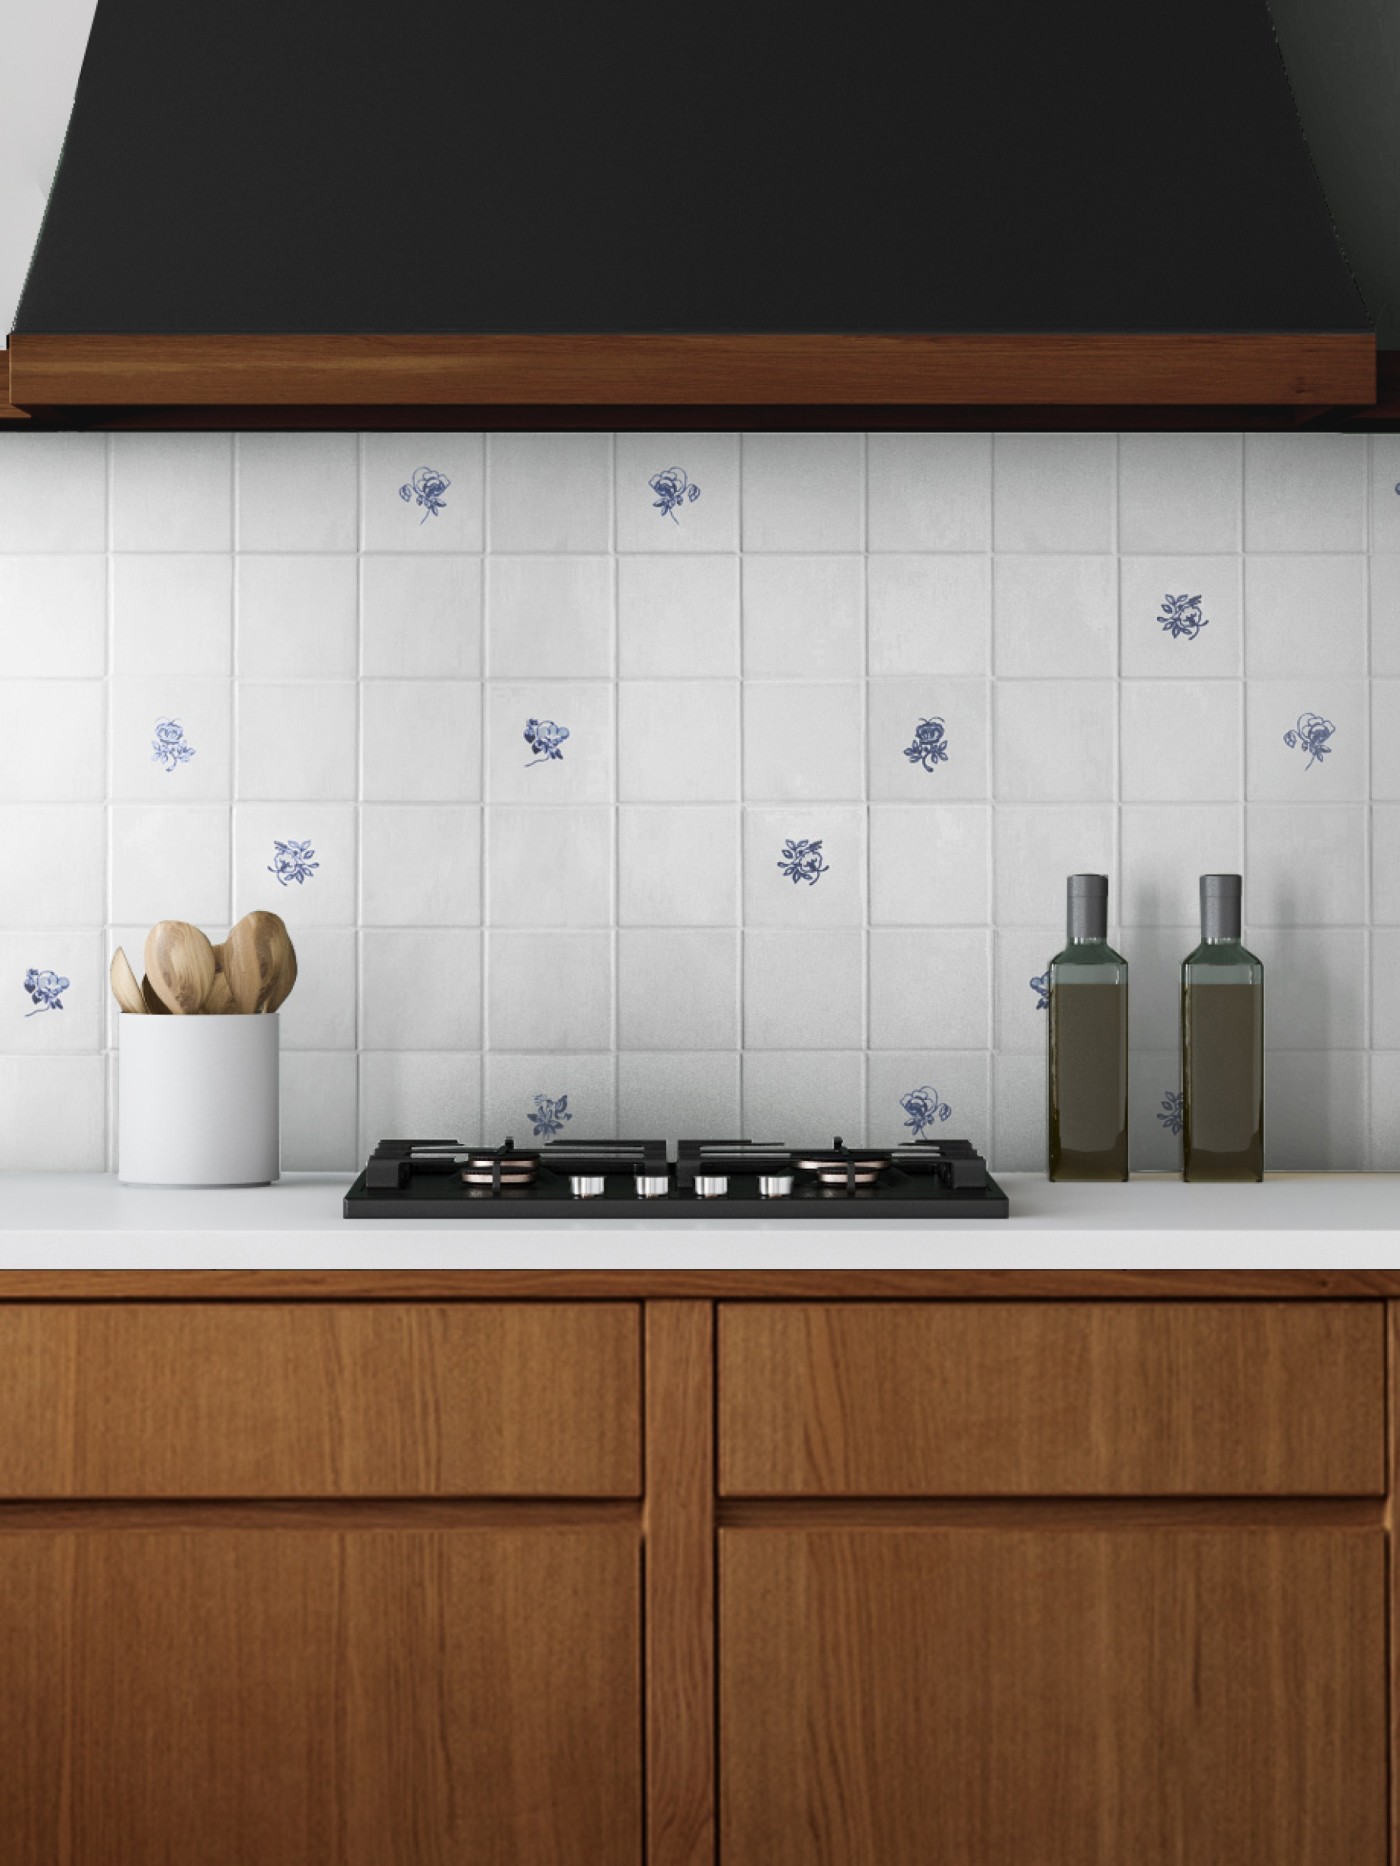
{"points": [[151, 1001], [126, 987], [259, 962], [219, 1000], [179, 964], [284, 974]]}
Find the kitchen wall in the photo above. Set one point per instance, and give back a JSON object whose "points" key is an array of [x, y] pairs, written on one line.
{"points": [[677, 782]]}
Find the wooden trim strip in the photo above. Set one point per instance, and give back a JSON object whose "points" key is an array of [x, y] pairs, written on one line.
{"points": [[1204, 368], [1092, 1513], [321, 1513], [8, 412]]}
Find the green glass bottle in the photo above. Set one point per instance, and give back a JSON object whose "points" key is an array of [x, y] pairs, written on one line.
{"points": [[1088, 1043], [1222, 1044]]}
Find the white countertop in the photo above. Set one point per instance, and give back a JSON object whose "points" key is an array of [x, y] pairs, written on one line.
{"points": [[1293, 1221]]}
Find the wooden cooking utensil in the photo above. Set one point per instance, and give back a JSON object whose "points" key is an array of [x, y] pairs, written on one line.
{"points": [[179, 964], [260, 962], [219, 1000], [284, 973], [151, 1001], [126, 987]]}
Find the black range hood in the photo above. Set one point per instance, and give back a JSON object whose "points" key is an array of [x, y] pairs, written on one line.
{"points": [[701, 204]]}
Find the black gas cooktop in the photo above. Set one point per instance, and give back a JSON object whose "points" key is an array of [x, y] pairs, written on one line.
{"points": [[706, 1179]]}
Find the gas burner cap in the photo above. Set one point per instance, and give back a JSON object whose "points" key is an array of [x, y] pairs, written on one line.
{"points": [[834, 1167], [516, 1168]]}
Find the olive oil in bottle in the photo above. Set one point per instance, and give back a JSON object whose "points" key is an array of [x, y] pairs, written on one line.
{"points": [[1088, 1043], [1222, 1044]]}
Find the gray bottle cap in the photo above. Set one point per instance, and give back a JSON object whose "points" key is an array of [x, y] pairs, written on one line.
{"points": [[1220, 906], [1087, 902]]}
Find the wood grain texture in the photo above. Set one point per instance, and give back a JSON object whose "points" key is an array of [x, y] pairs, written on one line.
{"points": [[696, 369], [8, 412], [276, 1400], [1052, 1399], [970, 1698], [367, 1699], [680, 1622]]}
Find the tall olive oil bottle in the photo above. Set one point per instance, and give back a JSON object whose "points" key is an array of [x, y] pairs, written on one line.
{"points": [[1088, 1043], [1222, 1044]]}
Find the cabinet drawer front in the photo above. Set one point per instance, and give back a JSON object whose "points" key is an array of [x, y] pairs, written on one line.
{"points": [[1052, 1399], [320, 1400]]}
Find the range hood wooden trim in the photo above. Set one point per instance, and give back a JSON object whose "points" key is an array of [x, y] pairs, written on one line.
{"points": [[603, 370]]}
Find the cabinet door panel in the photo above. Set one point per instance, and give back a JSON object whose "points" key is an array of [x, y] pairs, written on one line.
{"points": [[916, 1697], [271, 1697]]}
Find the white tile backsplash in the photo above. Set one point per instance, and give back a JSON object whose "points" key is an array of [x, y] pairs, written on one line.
{"points": [[818, 725]]}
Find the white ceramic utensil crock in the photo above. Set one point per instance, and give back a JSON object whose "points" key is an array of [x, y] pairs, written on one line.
{"points": [[198, 1101]]}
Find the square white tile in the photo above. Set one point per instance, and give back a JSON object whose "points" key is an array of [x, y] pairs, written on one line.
{"points": [[1022, 957], [53, 1110], [296, 739], [523, 727], [1385, 612], [1179, 492], [929, 615], [678, 741], [930, 864], [803, 492], [1385, 500], [1385, 739], [802, 740], [1385, 864], [1019, 1134], [930, 988], [549, 867], [678, 1096], [1056, 615], [320, 1093], [421, 616], [1182, 741], [1037, 846], [1081, 717], [549, 991], [677, 616], [926, 717], [1180, 617], [1305, 615], [420, 988], [1166, 850], [1305, 865], [53, 736], [1154, 956], [320, 1013], [930, 492], [420, 864], [422, 492], [172, 614], [61, 603], [678, 988], [677, 492], [550, 617], [297, 492], [42, 891], [678, 865], [169, 862], [804, 988], [908, 1091], [1326, 720], [1384, 1156], [298, 617], [804, 865], [1314, 986], [542, 1098], [549, 492], [804, 615], [295, 859], [420, 741], [172, 492], [418, 1093], [1314, 1111], [803, 1097], [1304, 492], [1053, 492], [169, 739], [53, 492], [53, 1018]]}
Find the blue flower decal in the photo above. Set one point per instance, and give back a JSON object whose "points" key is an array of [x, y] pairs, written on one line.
{"points": [[45, 991], [1311, 734], [930, 746], [923, 1108], [426, 489], [168, 747], [545, 739], [548, 1117], [1041, 987], [802, 861], [292, 861], [1173, 1111], [672, 488], [1181, 615]]}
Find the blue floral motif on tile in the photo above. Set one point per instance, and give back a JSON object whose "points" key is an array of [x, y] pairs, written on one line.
{"points": [[1173, 1111], [545, 739], [672, 488], [548, 1117], [1181, 617], [45, 990], [291, 861], [802, 861], [426, 489], [930, 745], [1041, 987], [1312, 735], [923, 1108], [168, 747]]}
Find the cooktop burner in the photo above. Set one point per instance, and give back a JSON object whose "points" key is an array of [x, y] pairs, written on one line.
{"points": [[707, 1179]]}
